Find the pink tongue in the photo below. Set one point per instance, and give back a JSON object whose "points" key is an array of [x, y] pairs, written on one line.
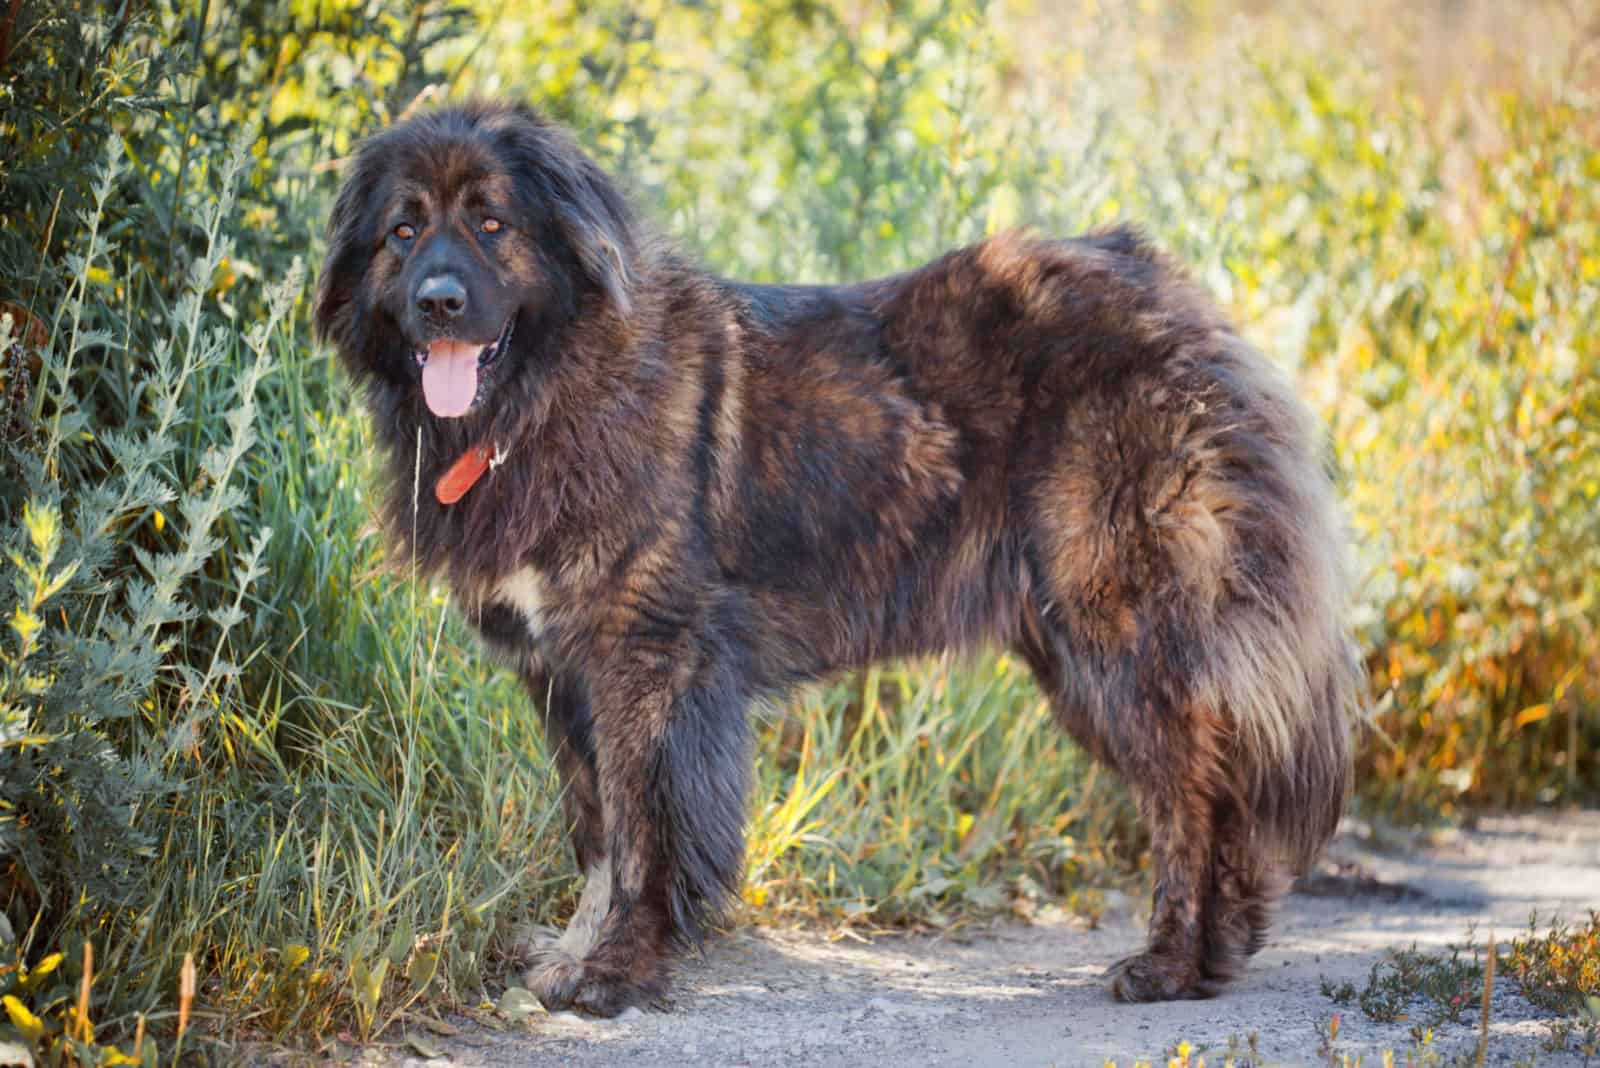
{"points": [[450, 377]]}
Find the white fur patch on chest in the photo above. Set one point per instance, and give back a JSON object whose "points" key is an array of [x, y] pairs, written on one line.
{"points": [[528, 593]]}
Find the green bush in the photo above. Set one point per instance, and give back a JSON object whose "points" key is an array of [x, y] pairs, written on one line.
{"points": [[96, 716], [197, 716]]}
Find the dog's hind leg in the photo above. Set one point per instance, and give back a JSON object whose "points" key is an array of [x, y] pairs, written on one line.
{"points": [[1184, 550], [1247, 880], [1174, 770], [1171, 753]]}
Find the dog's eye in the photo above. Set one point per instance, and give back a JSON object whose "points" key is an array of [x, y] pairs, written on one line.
{"points": [[491, 225], [405, 231]]}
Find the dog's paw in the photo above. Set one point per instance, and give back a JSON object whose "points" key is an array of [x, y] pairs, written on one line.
{"points": [[529, 943], [561, 981], [1148, 977]]}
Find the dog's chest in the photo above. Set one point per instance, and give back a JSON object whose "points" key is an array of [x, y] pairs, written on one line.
{"points": [[525, 595]]}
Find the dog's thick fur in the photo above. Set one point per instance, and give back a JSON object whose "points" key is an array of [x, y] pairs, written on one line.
{"points": [[710, 491]]}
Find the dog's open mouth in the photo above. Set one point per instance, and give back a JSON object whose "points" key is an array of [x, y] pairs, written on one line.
{"points": [[450, 371]]}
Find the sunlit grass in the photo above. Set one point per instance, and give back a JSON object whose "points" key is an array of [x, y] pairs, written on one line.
{"points": [[924, 793]]}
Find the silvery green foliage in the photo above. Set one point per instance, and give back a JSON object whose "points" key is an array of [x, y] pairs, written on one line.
{"points": [[110, 668]]}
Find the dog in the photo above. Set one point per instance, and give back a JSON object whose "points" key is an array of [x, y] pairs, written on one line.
{"points": [[660, 496]]}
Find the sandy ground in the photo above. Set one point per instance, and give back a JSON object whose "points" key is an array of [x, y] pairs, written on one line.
{"points": [[1014, 994]]}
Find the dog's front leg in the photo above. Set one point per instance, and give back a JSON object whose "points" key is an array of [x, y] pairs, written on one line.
{"points": [[671, 755]]}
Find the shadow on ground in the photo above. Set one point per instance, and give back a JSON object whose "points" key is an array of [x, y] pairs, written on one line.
{"points": [[1033, 995]]}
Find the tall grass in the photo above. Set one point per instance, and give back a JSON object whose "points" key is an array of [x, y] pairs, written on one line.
{"points": [[928, 793], [232, 728]]}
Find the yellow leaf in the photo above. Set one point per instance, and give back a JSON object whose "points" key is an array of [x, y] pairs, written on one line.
{"points": [[31, 1026], [111, 1055], [294, 955], [1531, 714], [25, 623], [160, 521], [42, 969]]}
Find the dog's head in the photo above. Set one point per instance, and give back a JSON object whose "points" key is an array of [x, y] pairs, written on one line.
{"points": [[460, 240]]}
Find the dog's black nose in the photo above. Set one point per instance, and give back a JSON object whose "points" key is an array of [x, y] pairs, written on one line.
{"points": [[442, 297]]}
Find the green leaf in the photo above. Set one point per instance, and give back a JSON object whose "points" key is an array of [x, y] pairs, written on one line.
{"points": [[421, 970], [518, 1004], [400, 943], [425, 1049]]}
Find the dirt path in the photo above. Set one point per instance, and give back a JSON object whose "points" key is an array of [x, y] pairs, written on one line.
{"points": [[1032, 995]]}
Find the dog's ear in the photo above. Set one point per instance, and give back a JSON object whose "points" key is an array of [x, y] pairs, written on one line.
{"points": [[349, 249], [589, 210], [594, 218]]}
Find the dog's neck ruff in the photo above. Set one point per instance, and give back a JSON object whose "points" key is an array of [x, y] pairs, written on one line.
{"points": [[465, 472]]}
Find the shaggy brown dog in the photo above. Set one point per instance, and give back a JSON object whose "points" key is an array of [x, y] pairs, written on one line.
{"points": [[661, 495]]}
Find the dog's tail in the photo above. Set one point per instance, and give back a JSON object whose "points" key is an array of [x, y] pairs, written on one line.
{"points": [[1283, 664], [1297, 790]]}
